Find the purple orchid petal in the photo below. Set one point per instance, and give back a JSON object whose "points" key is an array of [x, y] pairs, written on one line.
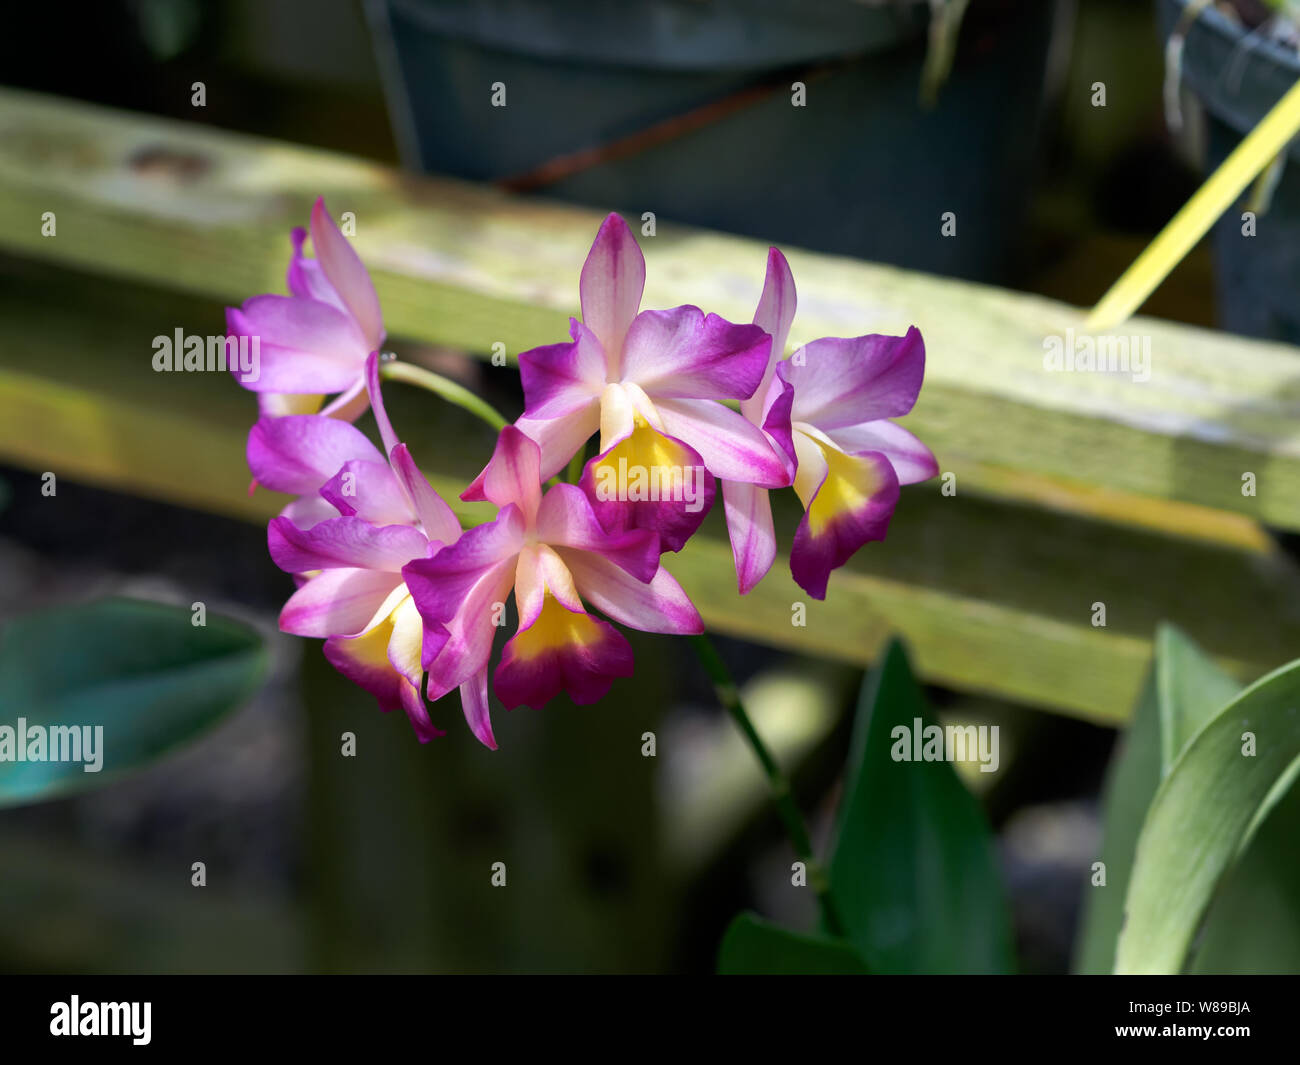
{"points": [[913, 462], [303, 345], [842, 382], [474, 703], [441, 584], [364, 661], [430, 508], [559, 378], [405, 645], [306, 279], [368, 490], [338, 602], [730, 447], [384, 662], [344, 542], [774, 315], [439, 521], [309, 511], [371, 379], [650, 481], [749, 524], [562, 652], [566, 519], [559, 646], [657, 606], [776, 421], [348, 275], [682, 353], [348, 406], [512, 476], [612, 282], [471, 629], [562, 387], [849, 501], [300, 452]]}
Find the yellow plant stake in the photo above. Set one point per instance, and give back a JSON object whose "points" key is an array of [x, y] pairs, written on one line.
{"points": [[1191, 223]]}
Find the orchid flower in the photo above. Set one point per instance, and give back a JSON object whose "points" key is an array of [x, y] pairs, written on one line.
{"points": [[827, 408], [553, 553], [314, 342], [650, 382], [354, 595]]}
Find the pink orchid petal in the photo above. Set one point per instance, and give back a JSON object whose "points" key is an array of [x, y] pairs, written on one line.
{"points": [[344, 542], [539, 573], [612, 282], [848, 505], [300, 452], [376, 395], [303, 345], [338, 602], [309, 511], [562, 650], [566, 519], [441, 584], [774, 315], [439, 521], [621, 483], [513, 475], [731, 448], [558, 438], [840, 382], [474, 703], [368, 490], [657, 606], [347, 274], [683, 353], [562, 387], [776, 421], [470, 631], [306, 279], [560, 378], [364, 661], [383, 661], [913, 462], [749, 524], [350, 405]]}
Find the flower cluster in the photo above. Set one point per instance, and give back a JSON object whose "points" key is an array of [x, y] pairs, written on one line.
{"points": [[408, 603]]}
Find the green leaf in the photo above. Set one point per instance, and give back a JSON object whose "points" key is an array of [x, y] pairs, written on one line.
{"points": [[753, 946], [913, 872], [1183, 691], [1254, 922], [1192, 689], [1202, 815], [141, 672], [1131, 784]]}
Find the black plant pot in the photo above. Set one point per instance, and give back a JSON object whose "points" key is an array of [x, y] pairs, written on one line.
{"points": [[863, 169], [1238, 77]]}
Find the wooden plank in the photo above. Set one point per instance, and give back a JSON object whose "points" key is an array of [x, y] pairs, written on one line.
{"points": [[204, 211], [993, 597]]}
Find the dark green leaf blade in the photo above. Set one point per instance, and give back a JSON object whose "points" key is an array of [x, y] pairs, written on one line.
{"points": [[141, 671], [753, 946], [913, 872]]}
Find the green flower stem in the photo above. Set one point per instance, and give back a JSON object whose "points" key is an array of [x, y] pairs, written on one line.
{"points": [[778, 783], [462, 397]]}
